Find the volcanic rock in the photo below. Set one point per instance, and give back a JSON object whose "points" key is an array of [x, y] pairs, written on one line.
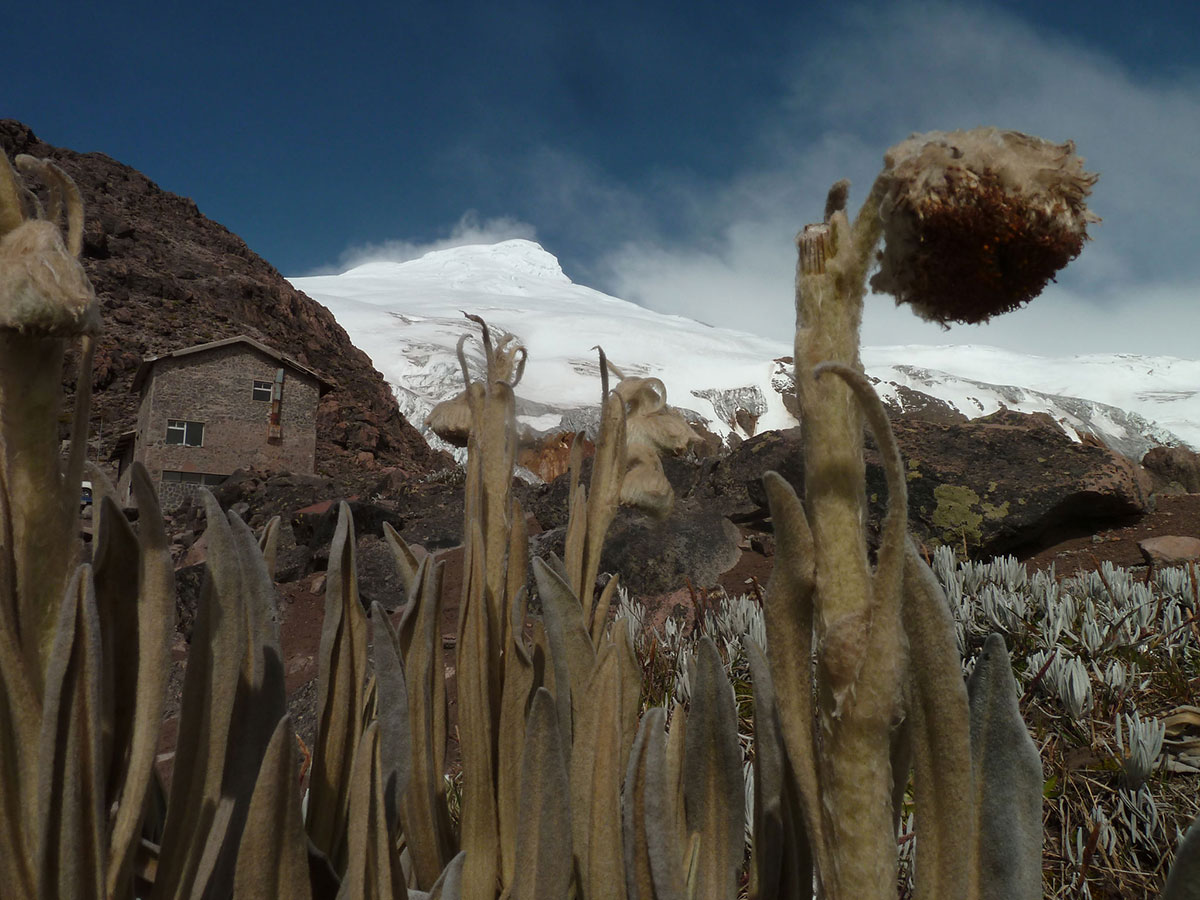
{"points": [[168, 277], [1170, 550], [988, 485], [1173, 469]]}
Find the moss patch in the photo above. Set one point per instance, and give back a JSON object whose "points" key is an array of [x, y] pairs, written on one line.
{"points": [[993, 512], [958, 515]]}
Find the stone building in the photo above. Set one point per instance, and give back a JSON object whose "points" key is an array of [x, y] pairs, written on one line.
{"points": [[213, 408]]}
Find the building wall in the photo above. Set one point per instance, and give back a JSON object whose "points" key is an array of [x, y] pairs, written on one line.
{"points": [[216, 387]]}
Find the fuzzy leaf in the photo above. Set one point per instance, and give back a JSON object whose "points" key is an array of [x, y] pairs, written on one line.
{"points": [[608, 469], [570, 644], [340, 695], [271, 860], [406, 561], [599, 616], [940, 738], [395, 729], [210, 693], [544, 838], [480, 827], [714, 793], [789, 619], [449, 883], [652, 839], [781, 860], [372, 863], [596, 782], [1183, 883], [268, 544], [71, 833], [139, 679], [424, 818], [575, 542], [518, 688], [1008, 782]]}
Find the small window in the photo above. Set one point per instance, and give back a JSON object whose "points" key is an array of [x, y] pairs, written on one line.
{"points": [[189, 434], [207, 479], [262, 391]]}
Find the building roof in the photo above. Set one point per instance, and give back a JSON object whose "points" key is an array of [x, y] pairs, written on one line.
{"points": [[143, 371]]}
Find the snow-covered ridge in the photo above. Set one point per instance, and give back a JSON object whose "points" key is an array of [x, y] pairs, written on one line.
{"points": [[408, 318]]}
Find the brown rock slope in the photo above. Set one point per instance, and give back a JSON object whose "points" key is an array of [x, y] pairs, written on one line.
{"points": [[168, 277]]}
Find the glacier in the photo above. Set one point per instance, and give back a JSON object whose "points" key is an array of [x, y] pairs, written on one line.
{"points": [[408, 317]]}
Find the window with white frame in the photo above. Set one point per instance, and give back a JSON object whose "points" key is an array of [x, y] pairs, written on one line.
{"points": [[262, 390], [189, 434]]}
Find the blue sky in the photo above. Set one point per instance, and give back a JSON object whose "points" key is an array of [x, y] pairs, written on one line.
{"points": [[665, 152]]}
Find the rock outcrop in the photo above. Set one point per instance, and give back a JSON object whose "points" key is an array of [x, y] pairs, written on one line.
{"points": [[1170, 550], [168, 277], [989, 485], [1173, 469]]}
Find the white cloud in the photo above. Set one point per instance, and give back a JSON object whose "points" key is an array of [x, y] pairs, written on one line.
{"points": [[469, 229], [918, 67]]}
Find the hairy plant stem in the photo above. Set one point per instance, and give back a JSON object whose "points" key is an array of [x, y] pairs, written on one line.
{"points": [[42, 532], [859, 662]]}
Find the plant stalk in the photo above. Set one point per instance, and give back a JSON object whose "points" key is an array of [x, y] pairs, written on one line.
{"points": [[857, 666], [41, 508]]}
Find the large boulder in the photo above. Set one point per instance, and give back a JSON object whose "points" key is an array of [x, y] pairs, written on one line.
{"points": [[1001, 481], [549, 502], [694, 543], [988, 485], [1173, 469], [653, 556]]}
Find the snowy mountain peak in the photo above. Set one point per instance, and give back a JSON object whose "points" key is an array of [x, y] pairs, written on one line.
{"points": [[408, 318], [510, 267]]}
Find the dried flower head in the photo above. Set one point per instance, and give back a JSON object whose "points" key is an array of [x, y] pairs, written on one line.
{"points": [[451, 420], [43, 288], [975, 223]]}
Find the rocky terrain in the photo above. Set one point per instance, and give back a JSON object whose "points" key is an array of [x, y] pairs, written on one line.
{"points": [[169, 277], [1008, 483]]}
